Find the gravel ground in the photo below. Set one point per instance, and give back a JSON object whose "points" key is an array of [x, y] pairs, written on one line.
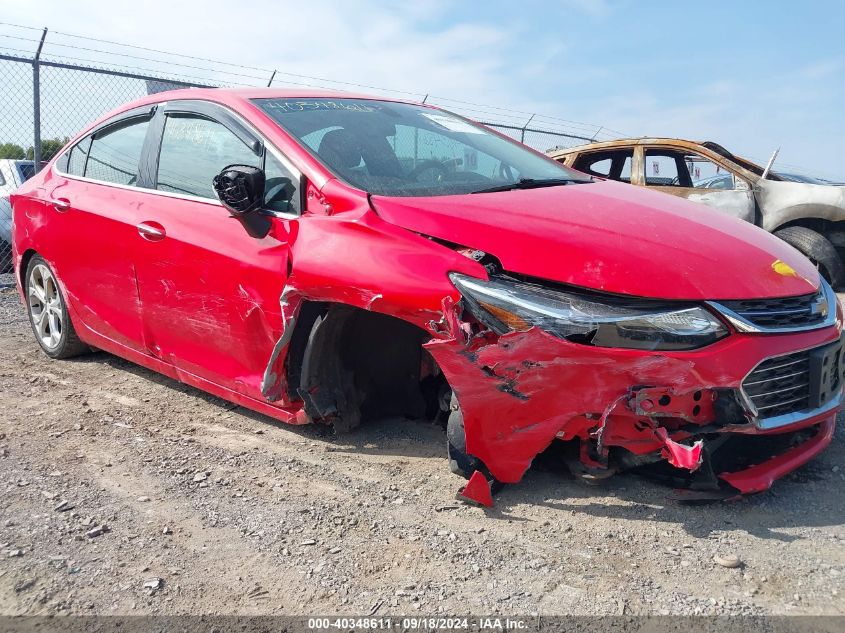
{"points": [[123, 492]]}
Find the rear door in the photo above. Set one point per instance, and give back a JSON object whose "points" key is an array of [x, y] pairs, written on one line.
{"points": [[210, 291], [697, 178], [91, 206]]}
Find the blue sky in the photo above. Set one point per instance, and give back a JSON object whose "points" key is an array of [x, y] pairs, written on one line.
{"points": [[750, 75]]}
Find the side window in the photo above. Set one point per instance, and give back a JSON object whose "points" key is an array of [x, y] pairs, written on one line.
{"points": [[78, 157], [615, 164], [598, 167], [675, 168], [116, 151], [194, 150], [662, 169], [281, 189], [705, 174]]}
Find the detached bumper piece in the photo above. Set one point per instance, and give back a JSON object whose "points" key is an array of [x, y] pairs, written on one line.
{"points": [[787, 452]]}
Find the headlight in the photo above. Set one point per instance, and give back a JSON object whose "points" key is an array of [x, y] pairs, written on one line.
{"points": [[504, 305]]}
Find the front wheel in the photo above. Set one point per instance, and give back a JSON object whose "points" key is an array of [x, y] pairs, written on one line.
{"points": [[460, 462], [818, 249], [48, 313]]}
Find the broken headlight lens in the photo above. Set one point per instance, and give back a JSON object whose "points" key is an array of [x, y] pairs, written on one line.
{"points": [[505, 305]]}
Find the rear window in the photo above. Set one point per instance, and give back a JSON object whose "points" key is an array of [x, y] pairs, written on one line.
{"points": [[78, 158], [116, 151]]}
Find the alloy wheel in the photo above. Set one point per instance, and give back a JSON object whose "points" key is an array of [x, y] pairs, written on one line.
{"points": [[45, 306]]}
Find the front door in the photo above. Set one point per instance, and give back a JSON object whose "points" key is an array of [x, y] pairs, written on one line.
{"points": [[698, 179], [210, 292]]}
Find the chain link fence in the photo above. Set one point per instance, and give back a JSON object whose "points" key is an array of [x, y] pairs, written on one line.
{"points": [[46, 100]]}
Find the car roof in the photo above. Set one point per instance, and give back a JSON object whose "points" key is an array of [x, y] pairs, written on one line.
{"points": [[233, 96], [625, 142], [697, 146]]}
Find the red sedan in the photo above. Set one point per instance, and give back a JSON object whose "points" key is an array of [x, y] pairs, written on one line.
{"points": [[330, 258]]}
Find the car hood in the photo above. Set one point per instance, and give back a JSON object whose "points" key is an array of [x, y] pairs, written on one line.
{"points": [[614, 238]]}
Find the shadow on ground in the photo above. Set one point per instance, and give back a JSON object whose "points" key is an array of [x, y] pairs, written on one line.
{"points": [[807, 498]]}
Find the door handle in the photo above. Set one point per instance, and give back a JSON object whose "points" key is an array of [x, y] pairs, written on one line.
{"points": [[60, 204], [151, 231]]}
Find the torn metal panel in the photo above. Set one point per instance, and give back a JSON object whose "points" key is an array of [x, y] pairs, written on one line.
{"points": [[680, 455], [513, 406], [477, 491], [508, 390], [273, 382]]}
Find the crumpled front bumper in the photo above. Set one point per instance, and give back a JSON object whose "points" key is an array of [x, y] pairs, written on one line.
{"points": [[760, 477], [521, 391]]}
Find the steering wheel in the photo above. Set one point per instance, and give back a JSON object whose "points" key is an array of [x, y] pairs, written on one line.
{"points": [[505, 172], [428, 165]]}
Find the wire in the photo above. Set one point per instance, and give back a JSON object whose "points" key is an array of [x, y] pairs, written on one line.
{"points": [[501, 111]]}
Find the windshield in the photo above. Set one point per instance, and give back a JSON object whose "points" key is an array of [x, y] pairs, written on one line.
{"points": [[801, 178], [399, 149]]}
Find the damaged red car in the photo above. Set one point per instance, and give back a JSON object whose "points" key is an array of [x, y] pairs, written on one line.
{"points": [[326, 258]]}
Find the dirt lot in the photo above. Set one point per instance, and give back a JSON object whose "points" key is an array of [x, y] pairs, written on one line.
{"points": [[125, 492]]}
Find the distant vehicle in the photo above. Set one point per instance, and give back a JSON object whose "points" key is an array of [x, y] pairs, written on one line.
{"points": [[13, 173], [807, 213]]}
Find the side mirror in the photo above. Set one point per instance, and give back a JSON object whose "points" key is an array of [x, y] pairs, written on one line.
{"points": [[240, 188]]}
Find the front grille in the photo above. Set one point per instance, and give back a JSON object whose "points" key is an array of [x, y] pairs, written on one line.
{"points": [[780, 385], [788, 312]]}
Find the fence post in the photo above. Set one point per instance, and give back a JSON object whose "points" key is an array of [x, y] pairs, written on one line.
{"points": [[527, 123], [36, 104], [272, 77]]}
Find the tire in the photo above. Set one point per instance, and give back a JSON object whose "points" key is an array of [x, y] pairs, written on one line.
{"points": [[818, 249], [460, 462], [48, 314]]}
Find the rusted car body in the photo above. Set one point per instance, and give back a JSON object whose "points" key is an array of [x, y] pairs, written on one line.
{"points": [[376, 258], [809, 216]]}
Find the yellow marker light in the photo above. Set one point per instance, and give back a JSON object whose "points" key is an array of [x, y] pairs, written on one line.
{"points": [[782, 268]]}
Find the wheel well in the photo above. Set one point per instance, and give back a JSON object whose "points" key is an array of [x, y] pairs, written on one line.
{"points": [[817, 224], [833, 231], [27, 255], [349, 364]]}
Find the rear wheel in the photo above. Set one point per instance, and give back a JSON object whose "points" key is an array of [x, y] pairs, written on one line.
{"points": [[48, 313], [818, 249]]}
